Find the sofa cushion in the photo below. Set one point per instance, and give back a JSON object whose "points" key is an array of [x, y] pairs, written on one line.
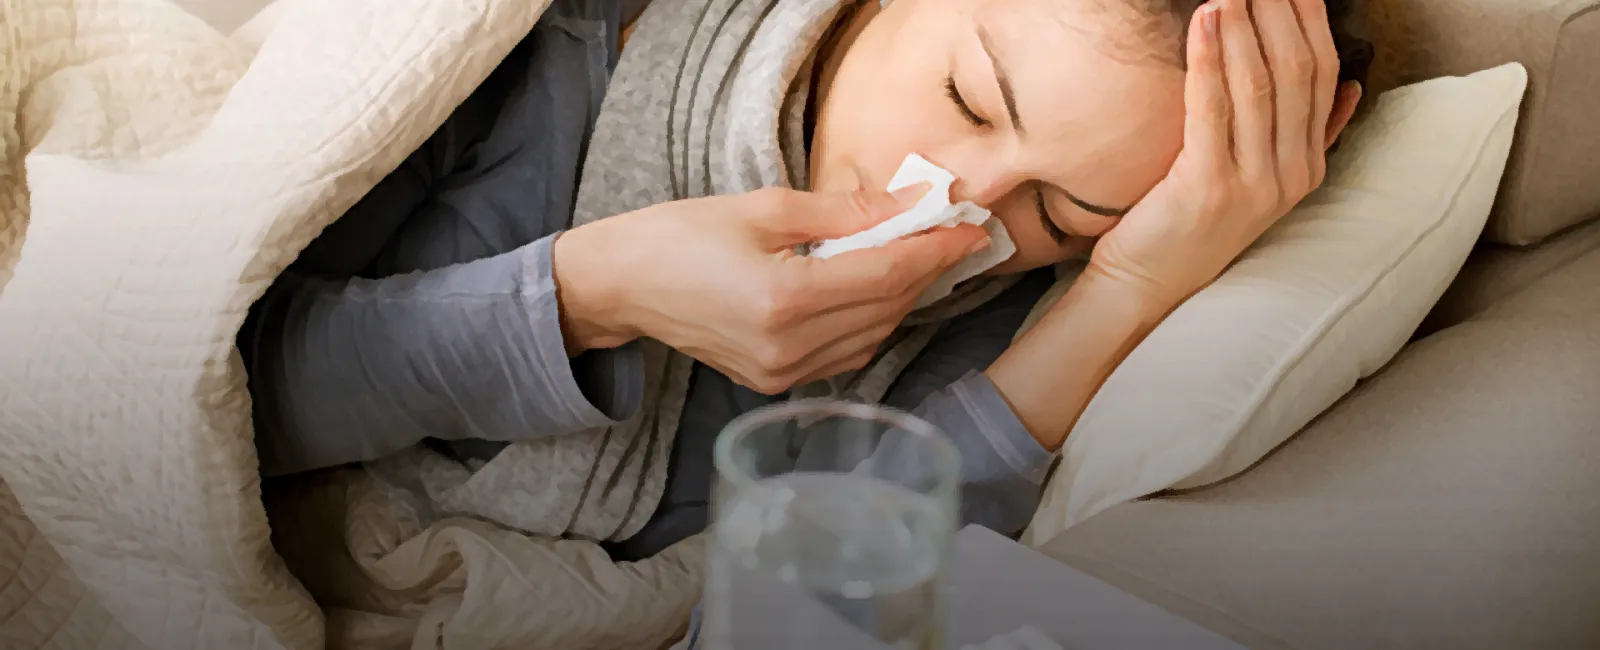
{"points": [[1550, 182], [1323, 300], [1494, 272], [1451, 502]]}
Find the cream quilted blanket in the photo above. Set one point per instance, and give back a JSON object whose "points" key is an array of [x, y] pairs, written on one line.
{"points": [[155, 176]]}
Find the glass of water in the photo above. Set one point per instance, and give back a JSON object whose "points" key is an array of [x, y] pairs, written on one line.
{"points": [[831, 524]]}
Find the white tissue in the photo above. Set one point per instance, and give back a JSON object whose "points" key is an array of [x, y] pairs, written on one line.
{"points": [[933, 210]]}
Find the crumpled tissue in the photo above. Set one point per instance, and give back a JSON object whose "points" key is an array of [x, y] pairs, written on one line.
{"points": [[933, 210]]}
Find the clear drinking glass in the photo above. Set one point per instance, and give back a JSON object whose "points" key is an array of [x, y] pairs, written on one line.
{"points": [[831, 524]]}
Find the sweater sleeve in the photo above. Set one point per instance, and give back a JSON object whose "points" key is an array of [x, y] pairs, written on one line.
{"points": [[1003, 467], [352, 370]]}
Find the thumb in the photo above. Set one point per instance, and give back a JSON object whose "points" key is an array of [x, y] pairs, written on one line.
{"points": [[903, 265], [803, 217]]}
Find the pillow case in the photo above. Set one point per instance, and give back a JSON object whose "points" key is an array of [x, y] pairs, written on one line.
{"points": [[1324, 299]]}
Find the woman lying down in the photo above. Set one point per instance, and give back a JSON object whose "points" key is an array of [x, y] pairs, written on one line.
{"points": [[547, 313]]}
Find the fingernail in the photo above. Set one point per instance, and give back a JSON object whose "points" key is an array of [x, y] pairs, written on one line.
{"points": [[978, 245], [911, 193], [1208, 20]]}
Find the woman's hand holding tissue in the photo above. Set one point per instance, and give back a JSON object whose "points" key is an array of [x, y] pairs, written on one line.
{"points": [[1258, 121], [718, 279]]}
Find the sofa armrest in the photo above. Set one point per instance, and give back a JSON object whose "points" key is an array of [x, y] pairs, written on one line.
{"points": [[1552, 180]]}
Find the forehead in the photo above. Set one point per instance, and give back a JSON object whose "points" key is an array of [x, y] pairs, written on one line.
{"points": [[1080, 87]]}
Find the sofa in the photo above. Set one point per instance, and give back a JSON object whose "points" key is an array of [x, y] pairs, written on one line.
{"points": [[1448, 501], [1452, 500]]}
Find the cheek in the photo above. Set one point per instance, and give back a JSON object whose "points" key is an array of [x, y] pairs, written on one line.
{"points": [[1035, 246], [879, 109]]}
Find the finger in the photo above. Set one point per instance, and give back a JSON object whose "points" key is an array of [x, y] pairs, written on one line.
{"points": [[850, 353], [1319, 37], [1250, 87], [817, 341], [736, 375], [788, 217], [894, 269], [1293, 71], [1206, 131]]}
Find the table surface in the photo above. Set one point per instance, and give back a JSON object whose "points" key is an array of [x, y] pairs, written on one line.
{"points": [[997, 585]]}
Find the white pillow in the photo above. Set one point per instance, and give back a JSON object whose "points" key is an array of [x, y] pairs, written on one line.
{"points": [[1326, 298]]}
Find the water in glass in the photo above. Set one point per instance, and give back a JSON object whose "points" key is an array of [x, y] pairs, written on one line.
{"points": [[832, 523]]}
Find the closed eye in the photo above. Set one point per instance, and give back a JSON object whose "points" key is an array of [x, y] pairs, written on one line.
{"points": [[954, 94], [1056, 233]]}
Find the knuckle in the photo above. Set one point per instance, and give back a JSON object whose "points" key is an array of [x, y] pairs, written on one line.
{"points": [[1297, 181], [1256, 84], [1327, 62], [771, 357], [1266, 203], [776, 303], [1256, 181], [764, 311], [769, 385], [1215, 108], [1319, 172], [1298, 63], [890, 271], [863, 205], [859, 202]]}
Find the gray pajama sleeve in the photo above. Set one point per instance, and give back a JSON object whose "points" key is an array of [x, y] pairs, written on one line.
{"points": [[351, 370], [1002, 466]]}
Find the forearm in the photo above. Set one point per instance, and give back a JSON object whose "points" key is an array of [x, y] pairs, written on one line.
{"points": [[353, 370], [1002, 467], [1052, 372]]}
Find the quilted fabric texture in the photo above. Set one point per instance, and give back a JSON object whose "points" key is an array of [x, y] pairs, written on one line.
{"points": [[42, 603], [154, 180], [1325, 299]]}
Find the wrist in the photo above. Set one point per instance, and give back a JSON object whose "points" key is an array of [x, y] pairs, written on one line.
{"points": [[590, 292], [1139, 299], [1049, 375], [1141, 290]]}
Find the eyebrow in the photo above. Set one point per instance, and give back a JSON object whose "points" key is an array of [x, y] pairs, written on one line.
{"points": [[1010, 98], [1000, 75]]}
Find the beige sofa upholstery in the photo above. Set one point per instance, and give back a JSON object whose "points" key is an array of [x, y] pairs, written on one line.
{"points": [[1452, 501], [1549, 183]]}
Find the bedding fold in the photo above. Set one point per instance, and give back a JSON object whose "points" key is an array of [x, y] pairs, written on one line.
{"points": [[125, 433]]}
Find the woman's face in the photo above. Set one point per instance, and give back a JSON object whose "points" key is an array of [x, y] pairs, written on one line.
{"points": [[1018, 98]]}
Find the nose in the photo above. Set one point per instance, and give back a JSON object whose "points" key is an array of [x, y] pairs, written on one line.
{"points": [[984, 182]]}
